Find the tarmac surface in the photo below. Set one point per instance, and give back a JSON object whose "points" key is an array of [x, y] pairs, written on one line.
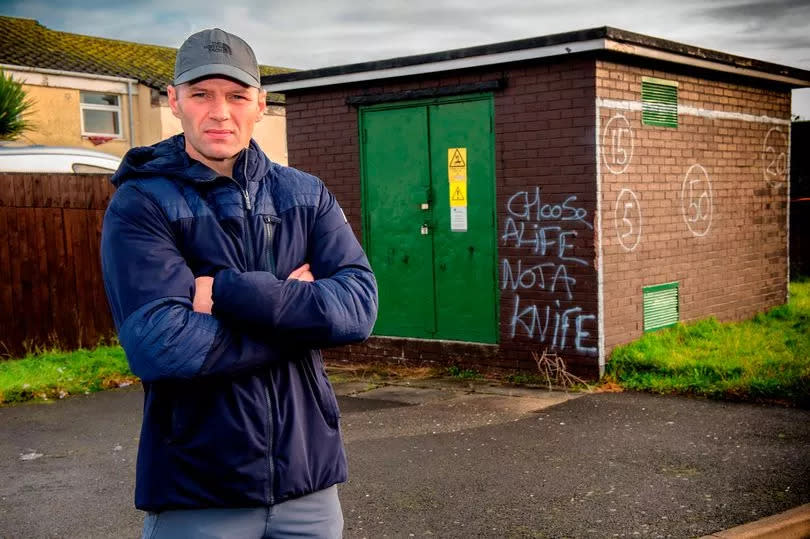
{"points": [[447, 460]]}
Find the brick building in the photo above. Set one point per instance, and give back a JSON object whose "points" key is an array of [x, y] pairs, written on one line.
{"points": [[562, 193]]}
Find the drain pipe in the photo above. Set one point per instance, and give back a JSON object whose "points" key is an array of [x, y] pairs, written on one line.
{"points": [[131, 113]]}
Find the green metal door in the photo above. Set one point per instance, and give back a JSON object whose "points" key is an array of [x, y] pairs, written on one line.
{"points": [[433, 252], [464, 260], [399, 182]]}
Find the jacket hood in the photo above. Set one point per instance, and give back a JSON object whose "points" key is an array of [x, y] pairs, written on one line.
{"points": [[168, 159]]}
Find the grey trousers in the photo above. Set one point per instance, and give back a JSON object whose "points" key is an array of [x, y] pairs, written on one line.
{"points": [[315, 515]]}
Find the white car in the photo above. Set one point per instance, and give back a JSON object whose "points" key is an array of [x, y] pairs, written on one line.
{"points": [[56, 159]]}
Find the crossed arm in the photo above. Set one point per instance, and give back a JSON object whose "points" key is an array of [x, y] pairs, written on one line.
{"points": [[203, 294], [160, 313]]}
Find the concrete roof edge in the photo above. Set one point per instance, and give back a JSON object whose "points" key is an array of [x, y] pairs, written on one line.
{"points": [[677, 52], [702, 53], [441, 56]]}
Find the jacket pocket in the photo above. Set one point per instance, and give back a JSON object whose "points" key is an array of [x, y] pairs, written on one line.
{"points": [[193, 404], [324, 394], [182, 415]]}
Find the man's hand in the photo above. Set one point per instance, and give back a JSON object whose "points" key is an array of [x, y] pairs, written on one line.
{"points": [[302, 274], [203, 300]]}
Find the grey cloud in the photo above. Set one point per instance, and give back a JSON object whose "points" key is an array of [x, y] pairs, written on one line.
{"points": [[314, 33], [762, 11], [781, 43]]}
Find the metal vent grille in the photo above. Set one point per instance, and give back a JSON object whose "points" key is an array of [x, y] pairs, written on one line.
{"points": [[659, 100], [660, 306]]}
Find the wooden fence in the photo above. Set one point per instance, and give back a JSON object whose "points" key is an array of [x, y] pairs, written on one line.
{"points": [[51, 291]]}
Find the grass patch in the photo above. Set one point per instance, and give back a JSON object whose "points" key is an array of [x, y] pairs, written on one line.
{"points": [[454, 371], [55, 374], [766, 358], [523, 379]]}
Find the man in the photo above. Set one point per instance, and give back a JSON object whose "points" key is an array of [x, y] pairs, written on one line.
{"points": [[225, 274]]}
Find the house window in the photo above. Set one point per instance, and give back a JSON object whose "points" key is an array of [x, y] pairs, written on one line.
{"points": [[101, 114], [660, 306], [659, 101]]}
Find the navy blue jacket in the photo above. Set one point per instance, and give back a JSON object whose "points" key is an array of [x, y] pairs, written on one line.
{"points": [[238, 411]]}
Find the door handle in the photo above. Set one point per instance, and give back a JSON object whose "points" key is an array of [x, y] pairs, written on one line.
{"points": [[425, 230]]}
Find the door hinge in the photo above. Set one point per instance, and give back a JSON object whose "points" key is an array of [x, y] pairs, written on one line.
{"points": [[365, 136]]}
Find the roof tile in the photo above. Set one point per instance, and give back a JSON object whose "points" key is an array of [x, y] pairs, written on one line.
{"points": [[26, 42]]}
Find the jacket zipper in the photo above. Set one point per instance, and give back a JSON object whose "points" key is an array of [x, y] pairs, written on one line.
{"points": [[249, 255], [268, 488], [269, 224], [251, 265]]}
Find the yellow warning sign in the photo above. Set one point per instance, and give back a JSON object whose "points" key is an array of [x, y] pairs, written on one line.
{"points": [[457, 157], [457, 178], [457, 164], [458, 194]]}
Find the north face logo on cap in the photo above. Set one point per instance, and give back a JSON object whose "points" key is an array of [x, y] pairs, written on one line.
{"points": [[218, 46]]}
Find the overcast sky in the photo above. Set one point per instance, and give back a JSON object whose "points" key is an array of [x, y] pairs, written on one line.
{"points": [[308, 33]]}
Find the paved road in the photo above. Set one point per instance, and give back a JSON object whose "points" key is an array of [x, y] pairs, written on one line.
{"points": [[440, 462]]}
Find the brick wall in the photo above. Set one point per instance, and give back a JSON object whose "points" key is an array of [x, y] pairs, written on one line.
{"points": [[711, 196], [545, 185], [546, 201]]}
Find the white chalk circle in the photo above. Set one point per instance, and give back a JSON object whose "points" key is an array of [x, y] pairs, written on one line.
{"points": [[774, 157], [627, 217], [618, 143], [696, 200]]}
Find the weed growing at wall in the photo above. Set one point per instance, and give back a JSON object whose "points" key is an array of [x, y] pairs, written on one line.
{"points": [[555, 373], [464, 374]]}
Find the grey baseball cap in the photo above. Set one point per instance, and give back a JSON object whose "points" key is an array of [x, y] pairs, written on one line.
{"points": [[216, 52]]}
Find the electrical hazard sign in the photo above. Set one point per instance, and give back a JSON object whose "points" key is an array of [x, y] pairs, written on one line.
{"points": [[458, 157], [458, 194], [457, 183], [457, 164]]}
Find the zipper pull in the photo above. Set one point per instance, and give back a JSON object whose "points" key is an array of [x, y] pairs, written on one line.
{"points": [[247, 199]]}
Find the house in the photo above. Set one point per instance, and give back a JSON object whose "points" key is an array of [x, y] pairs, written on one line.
{"points": [[105, 94], [559, 194]]}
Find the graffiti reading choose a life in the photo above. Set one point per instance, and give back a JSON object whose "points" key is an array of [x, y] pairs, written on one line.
{"points": [[546, 232]]}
